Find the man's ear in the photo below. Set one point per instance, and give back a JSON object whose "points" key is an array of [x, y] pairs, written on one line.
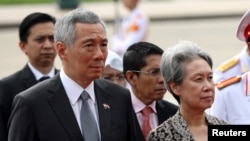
{"points": [[61, 49], [130, 77], [22, 46]]}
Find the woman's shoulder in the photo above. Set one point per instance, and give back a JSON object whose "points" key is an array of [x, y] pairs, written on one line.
{"points": [[212, 120]]}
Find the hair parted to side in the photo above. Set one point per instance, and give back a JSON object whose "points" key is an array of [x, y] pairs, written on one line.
{"points": [[65, 26], [135, 56], [31, 20], [173, 58]]}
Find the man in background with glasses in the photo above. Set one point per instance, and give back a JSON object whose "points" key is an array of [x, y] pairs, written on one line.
{"points": [[141, 67]]}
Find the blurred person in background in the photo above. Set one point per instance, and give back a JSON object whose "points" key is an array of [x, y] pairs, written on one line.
{"points": [[188, 76], [232, 96], [133, 28], [113, 69], [240, 63], [37, 43], [141, 64], [232, 100]]}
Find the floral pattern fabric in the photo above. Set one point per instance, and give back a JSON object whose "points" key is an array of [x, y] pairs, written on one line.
{"points": [[176, 129]]}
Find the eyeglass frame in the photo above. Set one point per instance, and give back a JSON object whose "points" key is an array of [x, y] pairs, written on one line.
{"points": [[118, 77], [148, 73]]}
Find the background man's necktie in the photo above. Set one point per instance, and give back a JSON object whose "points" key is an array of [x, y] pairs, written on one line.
{"points": [[88, 123], [146, 122], [43, 78]]}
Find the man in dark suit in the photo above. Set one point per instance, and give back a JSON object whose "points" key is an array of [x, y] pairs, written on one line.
{"points": [[36, 41], [141, 67], [53, 109]]}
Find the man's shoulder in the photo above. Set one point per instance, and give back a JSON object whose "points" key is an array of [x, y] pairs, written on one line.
{"points": [[229, 64], [14, 77], [166, 104], [40, 91], [229, 82], [24, 72], [230, 68], [110, 87]]}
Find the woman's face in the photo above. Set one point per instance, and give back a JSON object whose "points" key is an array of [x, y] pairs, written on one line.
{"points": [[197, 88]]}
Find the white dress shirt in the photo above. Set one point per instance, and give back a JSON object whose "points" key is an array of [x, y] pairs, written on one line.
{"points": [[138, 106], [73, 91], [38, 74]]}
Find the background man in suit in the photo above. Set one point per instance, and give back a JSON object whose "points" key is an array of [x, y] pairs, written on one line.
{"points": [[37, 42], [52, 110], [141, 65]]}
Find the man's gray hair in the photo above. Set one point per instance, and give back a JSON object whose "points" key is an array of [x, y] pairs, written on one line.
{"points": [[64, 30]]}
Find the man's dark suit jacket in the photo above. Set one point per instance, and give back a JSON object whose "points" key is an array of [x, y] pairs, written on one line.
{"points": [[9, 87], [44, 113], [164, 109]]}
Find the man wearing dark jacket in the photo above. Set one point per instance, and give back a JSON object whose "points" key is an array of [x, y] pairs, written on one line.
{"points": [[37, 43], [141, 67]]}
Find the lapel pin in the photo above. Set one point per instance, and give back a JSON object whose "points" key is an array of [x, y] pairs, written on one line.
{"points": [[106, 106]]}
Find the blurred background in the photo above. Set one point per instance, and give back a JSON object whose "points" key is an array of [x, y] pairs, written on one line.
{"points": [[212, 24]]}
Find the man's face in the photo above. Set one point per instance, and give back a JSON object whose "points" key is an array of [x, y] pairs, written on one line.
{"points": [[149, 84], [114, 76], [40, 45], [85, 60]]}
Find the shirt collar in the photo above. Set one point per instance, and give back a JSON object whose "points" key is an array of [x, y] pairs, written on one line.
{"points": [[74, 90], [38, 74], [139, 105]]}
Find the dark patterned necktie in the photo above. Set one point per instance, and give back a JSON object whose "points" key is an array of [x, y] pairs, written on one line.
{"points": [[88, 123]]}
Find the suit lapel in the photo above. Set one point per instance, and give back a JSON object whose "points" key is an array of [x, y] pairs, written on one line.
{"points": [[104, 109], [62, 108], [161, 112], [139, 135], [28, 77]]}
